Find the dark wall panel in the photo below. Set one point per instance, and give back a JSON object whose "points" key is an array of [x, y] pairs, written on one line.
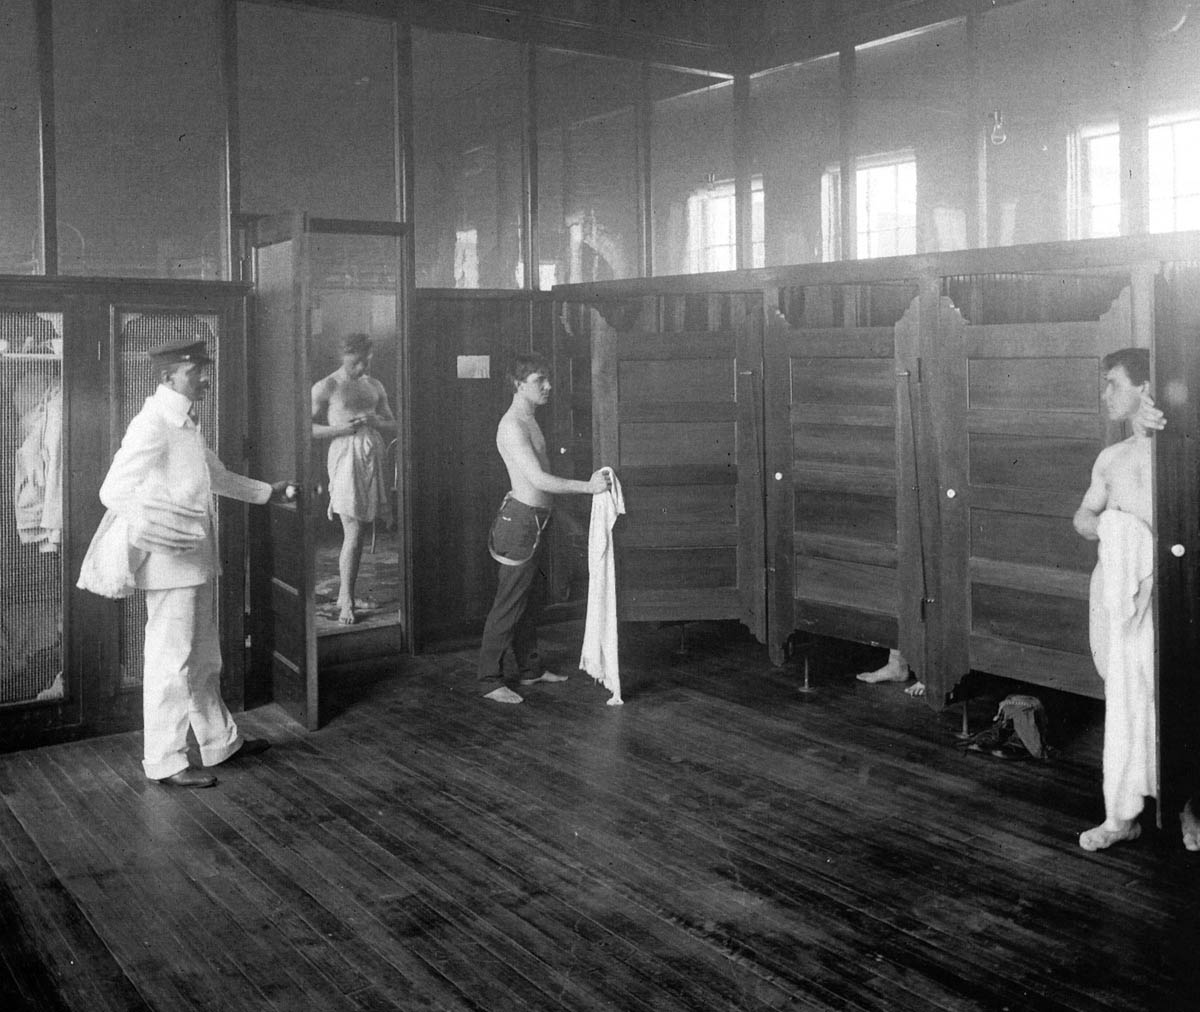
{"points": [[459, 476]]}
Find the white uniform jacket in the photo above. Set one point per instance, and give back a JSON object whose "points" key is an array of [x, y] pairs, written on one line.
{"points": [[163, 459]]}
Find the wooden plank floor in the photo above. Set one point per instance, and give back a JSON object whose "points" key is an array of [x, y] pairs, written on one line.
{"points": [[723, 841]]}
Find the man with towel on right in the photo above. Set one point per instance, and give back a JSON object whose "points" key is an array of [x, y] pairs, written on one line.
{"points": [[1118, 512]]}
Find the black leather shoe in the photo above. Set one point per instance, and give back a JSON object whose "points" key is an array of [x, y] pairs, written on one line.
{"points": [[189, 778], [250, 746]]}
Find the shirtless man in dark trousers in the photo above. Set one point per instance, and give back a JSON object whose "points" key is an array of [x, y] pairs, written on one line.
{"points": [[518, 535]]}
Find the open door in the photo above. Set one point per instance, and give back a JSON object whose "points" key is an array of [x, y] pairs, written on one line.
{"points": [[317, 282], [283, 637], [1018, 425]]}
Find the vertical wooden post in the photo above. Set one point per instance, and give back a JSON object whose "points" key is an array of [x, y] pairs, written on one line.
{"points": [[1175, 369], [529, 168], [1134, 130], [568, 183], [743, 139], [976, 178], [778, 461], [46, 136], [405, 285], [643, 127], [847, 130], [231, 176]]}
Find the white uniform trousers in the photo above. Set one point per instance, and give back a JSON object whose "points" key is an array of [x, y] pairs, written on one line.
{"points": [[181, 686]]}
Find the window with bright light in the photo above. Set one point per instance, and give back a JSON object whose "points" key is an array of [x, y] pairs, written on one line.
{"points": [[831, 215], [886, 210], [712, 227], [1095, 153], [466, 258], [1175, 173]]}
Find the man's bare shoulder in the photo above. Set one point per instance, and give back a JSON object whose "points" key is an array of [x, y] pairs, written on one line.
{"points": [[1110, 455], [511, 429], [326, 385]]}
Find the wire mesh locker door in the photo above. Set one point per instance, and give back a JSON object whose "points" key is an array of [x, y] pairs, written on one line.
{"points": [[31, 513]]}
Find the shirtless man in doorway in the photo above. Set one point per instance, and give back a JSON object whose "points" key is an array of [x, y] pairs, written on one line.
{"points": [[517, 539], [1121, 484], [350, 408]]}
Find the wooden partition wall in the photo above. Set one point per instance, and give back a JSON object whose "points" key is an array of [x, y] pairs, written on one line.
{"points": [[462, 343], [926, 427]]}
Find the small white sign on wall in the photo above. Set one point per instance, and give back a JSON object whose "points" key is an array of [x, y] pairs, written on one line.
{"points": [[474, 367]]}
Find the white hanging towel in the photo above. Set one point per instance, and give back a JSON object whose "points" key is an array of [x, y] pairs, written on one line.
{"points": [[599, 658], [1122, 636]]}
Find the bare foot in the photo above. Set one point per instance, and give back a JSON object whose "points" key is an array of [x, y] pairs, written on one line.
{"points": [[346, 614], [503, 694], [916, 689], [615, 700], [1103, 836], [545, 676], [895, 670], [1191, 827]]}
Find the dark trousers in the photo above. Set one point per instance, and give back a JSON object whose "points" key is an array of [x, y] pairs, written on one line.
{"points": [[518, 533]]}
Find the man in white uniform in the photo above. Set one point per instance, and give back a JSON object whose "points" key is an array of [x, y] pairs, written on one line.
{"points": [[162, 482]]}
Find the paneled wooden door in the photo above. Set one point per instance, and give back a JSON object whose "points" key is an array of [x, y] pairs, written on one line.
{"points": [[677, 403], [283, 636], [316, 280], [1019, 423], [839, 432]]}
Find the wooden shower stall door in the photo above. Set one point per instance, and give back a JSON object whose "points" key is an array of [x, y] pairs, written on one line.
{"points": [[678, 414], [1020, 428]]}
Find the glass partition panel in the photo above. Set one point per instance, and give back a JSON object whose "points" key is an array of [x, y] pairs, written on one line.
{"points": [[587, 168], [140, 141], [467, 161], [1173, 95], [1053, 72], [692, 177], [20, 186], [796, 136], [913, 143], [31, 520], [317, 113]]}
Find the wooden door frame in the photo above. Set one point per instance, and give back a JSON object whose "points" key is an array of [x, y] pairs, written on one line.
{"points": [[1175, 380], [301, 228], [401, 385]]}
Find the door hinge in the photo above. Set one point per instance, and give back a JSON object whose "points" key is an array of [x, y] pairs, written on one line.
{"points": [[925, 603]]}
